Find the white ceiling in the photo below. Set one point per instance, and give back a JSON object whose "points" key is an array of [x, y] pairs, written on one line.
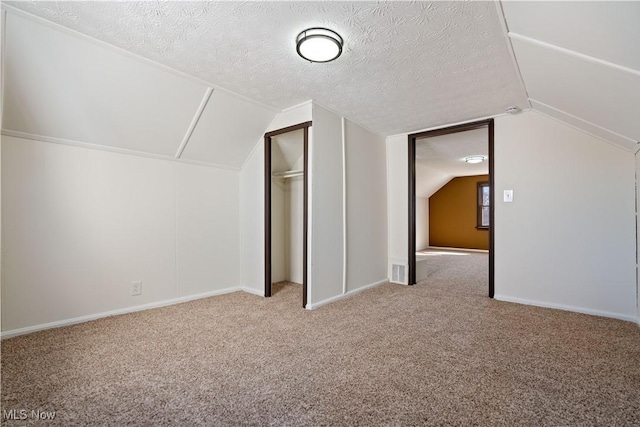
{"points": [[406, 65], [63, 87], [441, 158], [602, 29], [580, 62], [201, 81], [227, 130], [447, 152]]}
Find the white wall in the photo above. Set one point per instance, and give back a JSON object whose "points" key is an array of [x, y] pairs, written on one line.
{"points": [[567, 240], [292, 116], [366, 182], [287, 206], [295, 220], [207, 243], [279, 220], [429, 180], [327, 246], [252, 203], [79, 225], [279, 235], [252, 222], [398, 204], [367, 231], [422, 222]]}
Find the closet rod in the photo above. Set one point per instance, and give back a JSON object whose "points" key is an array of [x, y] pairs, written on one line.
{"points": [[288, 174]]}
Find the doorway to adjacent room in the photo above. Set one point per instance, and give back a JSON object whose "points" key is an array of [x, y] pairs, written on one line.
{"points": [[451, 206]]}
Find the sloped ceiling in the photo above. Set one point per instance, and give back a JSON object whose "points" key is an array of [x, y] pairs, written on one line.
{"points": [[62, 87], [406, 65], [290, 148], [441, 158], [580, 62], [227, 130], [201, 81]]}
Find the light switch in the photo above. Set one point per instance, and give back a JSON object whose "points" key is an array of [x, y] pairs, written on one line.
{"points": [[508, 196]]}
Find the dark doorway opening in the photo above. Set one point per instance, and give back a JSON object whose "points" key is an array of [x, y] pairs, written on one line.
{"points": [[489, 125], [267, 206]]}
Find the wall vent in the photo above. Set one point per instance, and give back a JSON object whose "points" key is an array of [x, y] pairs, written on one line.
{"points": [[399, 273]]}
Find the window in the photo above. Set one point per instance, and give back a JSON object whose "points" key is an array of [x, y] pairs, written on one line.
{"points": [[483, 205]]}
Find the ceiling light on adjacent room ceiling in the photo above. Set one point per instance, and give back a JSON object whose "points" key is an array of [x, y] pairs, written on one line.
{"points": [[319, 45], [475, 159]]}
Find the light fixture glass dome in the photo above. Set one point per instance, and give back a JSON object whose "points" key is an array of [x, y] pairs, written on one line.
{"points": [[475, 159], [319, 45]]}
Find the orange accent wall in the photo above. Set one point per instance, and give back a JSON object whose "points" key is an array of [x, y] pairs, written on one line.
{"points": [[453, 215]]}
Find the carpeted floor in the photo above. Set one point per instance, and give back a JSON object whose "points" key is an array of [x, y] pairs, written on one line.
{"points": [[456, 271], [392, 355]]}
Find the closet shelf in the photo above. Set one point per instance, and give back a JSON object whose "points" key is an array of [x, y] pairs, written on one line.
{"points": [[288, 174]]}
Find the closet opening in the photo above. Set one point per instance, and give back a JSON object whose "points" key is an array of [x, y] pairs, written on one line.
{"points": [[286, 187]]}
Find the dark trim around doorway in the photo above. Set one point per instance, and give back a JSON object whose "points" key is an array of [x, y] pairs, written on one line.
{"points": [[411, 249], [267, 206]]}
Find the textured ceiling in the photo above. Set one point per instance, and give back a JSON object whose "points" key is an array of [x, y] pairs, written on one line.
{"points": [[441, 158], [447, 152], [405, 66], [66, 88], [61, 86]]}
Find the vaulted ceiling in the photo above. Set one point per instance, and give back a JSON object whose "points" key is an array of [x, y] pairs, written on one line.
{"points": [[201, 81], [406, 65], [441, 158], [580, 62]]}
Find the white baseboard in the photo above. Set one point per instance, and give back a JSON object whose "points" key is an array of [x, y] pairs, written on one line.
{"points": [[567, 308], [253, 291], [445, 248], [82, 319], [346, 295]]}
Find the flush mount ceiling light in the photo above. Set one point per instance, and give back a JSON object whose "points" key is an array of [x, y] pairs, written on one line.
{"points": [[319, 45], [475, 159]]}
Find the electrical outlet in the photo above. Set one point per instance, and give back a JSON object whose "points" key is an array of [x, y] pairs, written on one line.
{"points": [[136, 288]]}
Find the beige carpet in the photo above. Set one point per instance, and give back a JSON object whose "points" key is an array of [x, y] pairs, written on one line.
{"points": [[456, 271], [393, 355]]}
